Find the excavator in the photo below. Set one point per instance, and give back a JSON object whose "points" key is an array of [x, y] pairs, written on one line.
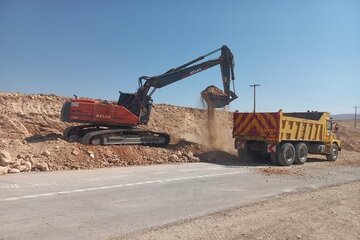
{"points": [[108, 123]]}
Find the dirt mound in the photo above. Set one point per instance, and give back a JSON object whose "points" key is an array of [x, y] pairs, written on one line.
{"points": [[31, 132], [24, 115], [349, 135]]}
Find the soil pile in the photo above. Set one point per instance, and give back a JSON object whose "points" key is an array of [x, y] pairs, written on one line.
{"points": [[349, 135], [31, 137], [214, 91]]}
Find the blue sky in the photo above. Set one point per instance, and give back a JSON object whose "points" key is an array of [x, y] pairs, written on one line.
{"points": [[305, 54]]}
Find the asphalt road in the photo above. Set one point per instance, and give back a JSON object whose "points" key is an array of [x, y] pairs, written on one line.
{"points": [[97, 204]]}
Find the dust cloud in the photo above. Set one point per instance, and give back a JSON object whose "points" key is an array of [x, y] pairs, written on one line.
{"points": [[217, 134]]}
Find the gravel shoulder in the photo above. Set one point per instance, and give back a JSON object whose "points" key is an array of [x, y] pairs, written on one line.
{"points": [[327, 213]]}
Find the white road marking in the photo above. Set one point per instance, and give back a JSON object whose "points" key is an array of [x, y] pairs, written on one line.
{"points": [[90, 189], [31, 185], [10, 186]]}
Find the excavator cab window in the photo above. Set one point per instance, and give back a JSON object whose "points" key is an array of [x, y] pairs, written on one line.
{"points": [[126, 100]]}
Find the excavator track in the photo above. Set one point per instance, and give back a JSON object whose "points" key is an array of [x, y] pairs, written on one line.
{"points": [[126, 137], [75, 133], [99, 135]]}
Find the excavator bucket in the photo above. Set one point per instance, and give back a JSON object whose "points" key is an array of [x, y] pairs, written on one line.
{"points": [[215, 97]]}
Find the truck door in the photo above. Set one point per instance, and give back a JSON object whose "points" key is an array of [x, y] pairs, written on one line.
{"points": [[328, 135]]}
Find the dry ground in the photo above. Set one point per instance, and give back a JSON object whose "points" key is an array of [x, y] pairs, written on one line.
{"points": [[324, 214]]}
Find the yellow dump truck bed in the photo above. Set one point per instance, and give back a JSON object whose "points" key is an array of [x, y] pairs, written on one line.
{"points": [[275, 127]]}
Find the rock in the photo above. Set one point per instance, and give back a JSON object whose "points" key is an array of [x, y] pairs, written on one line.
{"points": [[16, 142], [190, 154], [5, 158], [179, 153], [20, 156], [28, 165], [173, 158], [108, 153], [3, 170], [75, 152], [16, 163], [42, 166], [14, 170], [32, 160], [194, 159], [91, 154], [114, 160], [23, 168], [46, 153], [33, 167]]}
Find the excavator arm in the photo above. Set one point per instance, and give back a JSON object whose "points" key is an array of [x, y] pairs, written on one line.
{"points": [[226, 61], [141, 104]]}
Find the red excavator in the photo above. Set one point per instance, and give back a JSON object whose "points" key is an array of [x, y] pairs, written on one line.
{"points": [[108, 123]]}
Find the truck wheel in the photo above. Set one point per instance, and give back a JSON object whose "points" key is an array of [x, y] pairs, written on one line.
{"points": [[301, 153], [286, 154], [334, 153]]}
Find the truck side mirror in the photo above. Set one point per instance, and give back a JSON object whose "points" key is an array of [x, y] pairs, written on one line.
{"points": [[336, 127]]}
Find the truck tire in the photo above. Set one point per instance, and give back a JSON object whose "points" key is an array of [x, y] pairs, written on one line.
{"points": [[301, 153], [334, 153], [286, 154]]}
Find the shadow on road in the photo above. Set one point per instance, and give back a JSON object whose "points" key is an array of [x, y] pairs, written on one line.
{"points": [[220, 157], [231, 160], [313, 159]]}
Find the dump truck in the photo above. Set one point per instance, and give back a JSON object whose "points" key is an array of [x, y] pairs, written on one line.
{"points": [[286, 138]]}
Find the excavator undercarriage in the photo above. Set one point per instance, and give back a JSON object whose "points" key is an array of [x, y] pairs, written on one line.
{"points": [[106, 135]]}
